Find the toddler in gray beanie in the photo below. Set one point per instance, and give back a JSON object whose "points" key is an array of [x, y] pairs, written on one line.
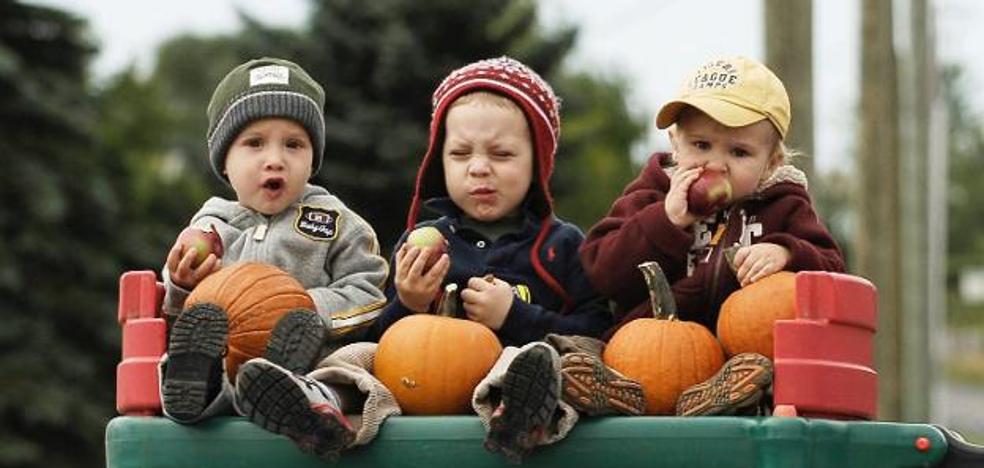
{"points": [[261, 88], [266, 139]]}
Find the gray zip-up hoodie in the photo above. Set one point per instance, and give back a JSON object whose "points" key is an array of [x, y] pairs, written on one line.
{"points": [[318, 240]]}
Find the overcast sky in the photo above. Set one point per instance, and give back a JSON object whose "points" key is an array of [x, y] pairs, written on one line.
{"points": [[653, 43]]}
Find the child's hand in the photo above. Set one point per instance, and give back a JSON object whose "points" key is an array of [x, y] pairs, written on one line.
{"points": [[676, 199], [416, 290], [180, 267], [757, 261], [487, 302]]}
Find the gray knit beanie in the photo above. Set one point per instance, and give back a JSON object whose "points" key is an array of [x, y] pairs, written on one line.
{"points": [[261, 88]]}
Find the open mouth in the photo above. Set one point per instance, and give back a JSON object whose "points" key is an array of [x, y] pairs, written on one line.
{"points": [[273, 184]]}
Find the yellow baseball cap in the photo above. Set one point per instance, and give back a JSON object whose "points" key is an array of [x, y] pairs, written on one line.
{"points": [[735, 91]]}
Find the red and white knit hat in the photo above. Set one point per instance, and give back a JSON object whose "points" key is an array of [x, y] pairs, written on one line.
{"points": [[512, 79], [508, 77]]}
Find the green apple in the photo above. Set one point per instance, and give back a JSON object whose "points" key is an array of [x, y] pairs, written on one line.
{"points": [[430, 241]]}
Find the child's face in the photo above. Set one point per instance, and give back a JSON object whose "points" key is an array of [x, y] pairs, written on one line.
{"points": [[269, 163], [746, 154], [488, 158]]}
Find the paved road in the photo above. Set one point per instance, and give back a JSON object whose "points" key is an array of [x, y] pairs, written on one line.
{"points": [[960, 406]]}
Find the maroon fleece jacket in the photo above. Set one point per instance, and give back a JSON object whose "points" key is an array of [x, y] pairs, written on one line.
{"points": [[636, 229]]}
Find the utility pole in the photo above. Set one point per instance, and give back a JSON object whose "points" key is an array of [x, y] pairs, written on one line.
{"points": [[879, 239], [921, 203], [789, 53]]}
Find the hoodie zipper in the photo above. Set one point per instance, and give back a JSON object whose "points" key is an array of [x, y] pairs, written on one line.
{"points": [[718, 255], [261, 230]]}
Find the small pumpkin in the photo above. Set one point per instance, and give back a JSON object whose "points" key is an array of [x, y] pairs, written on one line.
{"points": [[748, 314], [665, 355], [432, 363], [254, 296]]}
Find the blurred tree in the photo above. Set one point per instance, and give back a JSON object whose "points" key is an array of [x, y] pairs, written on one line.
{"points": [[59, 259], [835, 206], [88, 192], [379, 62], [137, 128], [592, 161], [965, 239]]}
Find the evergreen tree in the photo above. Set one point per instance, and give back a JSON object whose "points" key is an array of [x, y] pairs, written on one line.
{"points": [[58, 260], [379, 62]]}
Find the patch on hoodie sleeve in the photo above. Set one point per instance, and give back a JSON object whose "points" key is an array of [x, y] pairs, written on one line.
{"points": [[317, 223]]}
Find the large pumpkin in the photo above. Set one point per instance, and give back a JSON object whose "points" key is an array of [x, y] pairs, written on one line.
{"points": [[665, 355], [748, 314], [432, 364], [254, 297]]}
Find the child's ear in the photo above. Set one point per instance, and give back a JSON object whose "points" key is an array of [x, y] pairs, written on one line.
{"points": [[672, 131], [777, 158]]}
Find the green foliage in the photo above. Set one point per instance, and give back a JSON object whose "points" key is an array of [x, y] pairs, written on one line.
{"points": [[593, 166], [83, 202], [965, 240], [833, 194], [58, 261], [966, 151], [379, 62]]}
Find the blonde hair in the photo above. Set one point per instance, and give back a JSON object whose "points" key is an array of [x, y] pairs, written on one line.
{"points": [[785, 154], [486, 98]]}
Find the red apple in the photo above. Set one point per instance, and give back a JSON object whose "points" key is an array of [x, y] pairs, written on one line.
{"points": [[202, 241], [430, 240], [709, 193]]}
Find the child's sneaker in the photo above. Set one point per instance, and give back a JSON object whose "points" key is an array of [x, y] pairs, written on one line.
{"points": [[593, 388], [296, 341], [530, 390], [193, 373], [741, 383], [294, 405]]}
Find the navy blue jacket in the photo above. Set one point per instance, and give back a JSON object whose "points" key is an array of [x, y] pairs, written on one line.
{"points": [[508, 258]]}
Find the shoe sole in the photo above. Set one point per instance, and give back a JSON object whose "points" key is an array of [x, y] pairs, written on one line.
{"points": [[273, 401], [740, 383], [530, 391], [296, 341], [198, 342], [592, 388]]}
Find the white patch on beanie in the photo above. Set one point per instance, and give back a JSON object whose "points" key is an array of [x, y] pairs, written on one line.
{"points": [[269, 74]]}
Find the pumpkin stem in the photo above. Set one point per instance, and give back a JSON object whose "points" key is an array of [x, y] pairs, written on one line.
{"points": [[660, 295], [447, 305]]}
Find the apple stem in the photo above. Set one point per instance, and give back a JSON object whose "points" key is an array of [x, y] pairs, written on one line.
{"points": [[216, 231]]}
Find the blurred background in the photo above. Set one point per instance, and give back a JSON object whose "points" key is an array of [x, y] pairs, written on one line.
{"points": [[102, 123]]}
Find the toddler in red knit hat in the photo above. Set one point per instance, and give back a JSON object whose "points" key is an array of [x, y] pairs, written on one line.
{"points": [[493, 137]]}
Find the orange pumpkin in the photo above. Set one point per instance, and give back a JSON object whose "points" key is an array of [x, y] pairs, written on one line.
{"points": [[665, 355], [748, 314], [433, 363], [254, 296]]}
